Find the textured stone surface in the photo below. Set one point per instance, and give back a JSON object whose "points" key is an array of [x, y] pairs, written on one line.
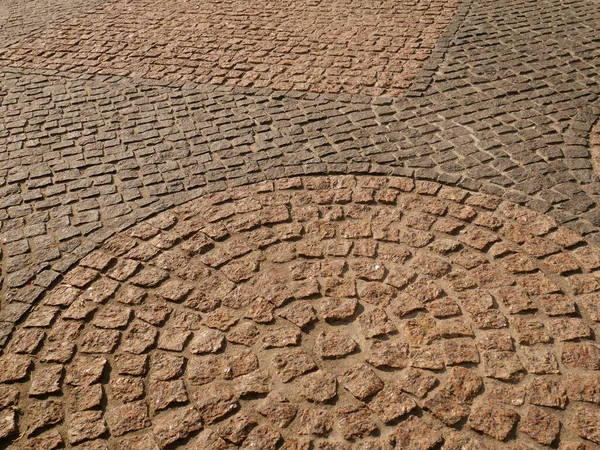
{"points": [[316, 46], [466, 126], [325, 313], [257, 361]]}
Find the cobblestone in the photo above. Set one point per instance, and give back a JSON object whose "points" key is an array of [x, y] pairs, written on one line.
{"points": [[316, 46], [113, 113], [114, 172], [21, 19], [197, 365]]}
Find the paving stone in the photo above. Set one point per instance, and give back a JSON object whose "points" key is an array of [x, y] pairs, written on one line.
{"points": [[585, 355], [138, 443], [361, 381], [585, 424], [547, 392], [334, 344], [263, 436], [126, 418], [86, 397], [540, 425], [153, 313], [176, 424], [355, 422], [319, 386], [47, 380], [47, 441], [292, 363], [416, 382], [315, 421], [415, 433], [165, 366], [27, 341], [240, 363], [281, 337], [494, 420], [85, 425], [100, 341], [126, 389], [502, 365], [209, 440], [8, 396], [390, 404], [388, 355], [583, 387], [253, 383], [278, 409], [139, 338], [13, 367], [208, 341], [8, 425], [260, 366], [43, 413], [447, 408], [217, 404], [85, 370]]}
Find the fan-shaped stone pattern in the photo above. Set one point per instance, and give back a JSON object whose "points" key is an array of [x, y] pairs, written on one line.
{"points": [[348, 312]]}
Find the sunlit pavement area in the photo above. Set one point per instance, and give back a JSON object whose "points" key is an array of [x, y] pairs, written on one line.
{"points": [[299, 225]]}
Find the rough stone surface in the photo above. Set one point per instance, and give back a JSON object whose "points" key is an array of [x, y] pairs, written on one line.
{"points": [[169, 366], [292, 305], [291, 45]]}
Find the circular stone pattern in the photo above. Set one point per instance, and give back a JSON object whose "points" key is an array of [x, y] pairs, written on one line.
{"points": [[326, 313]]}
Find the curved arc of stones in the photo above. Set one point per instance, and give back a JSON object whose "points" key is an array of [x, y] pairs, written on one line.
{"points": [[415, 259]]}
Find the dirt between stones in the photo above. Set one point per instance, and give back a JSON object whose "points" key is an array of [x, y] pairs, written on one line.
{"points": [[319, 312]]}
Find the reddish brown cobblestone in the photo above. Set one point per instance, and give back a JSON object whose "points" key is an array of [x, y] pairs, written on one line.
{"points": [[336, 46], [19, 19], [326, 345]]}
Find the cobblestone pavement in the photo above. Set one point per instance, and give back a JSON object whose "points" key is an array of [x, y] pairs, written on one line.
{"points": [[303, 45], [238, 296], [19, 19], [371, 310]]}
